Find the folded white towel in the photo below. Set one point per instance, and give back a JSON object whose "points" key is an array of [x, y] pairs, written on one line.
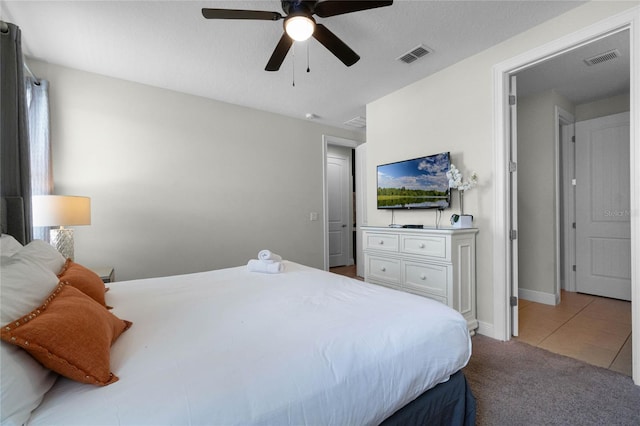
{"points": [[267, 267], [269, 255]]}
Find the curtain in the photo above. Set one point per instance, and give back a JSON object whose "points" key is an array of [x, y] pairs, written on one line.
{"points": [[14, 141], [37, 93]]}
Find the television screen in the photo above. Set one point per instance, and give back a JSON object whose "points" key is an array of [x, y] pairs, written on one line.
{"points": [[420, 183]]}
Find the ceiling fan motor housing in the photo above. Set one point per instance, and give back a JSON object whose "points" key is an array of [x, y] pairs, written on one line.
{"points": [[298, 7]]}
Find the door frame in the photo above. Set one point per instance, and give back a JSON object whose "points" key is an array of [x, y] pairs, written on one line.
{"points": [[628, 20], [566, 239], [331, 140]]}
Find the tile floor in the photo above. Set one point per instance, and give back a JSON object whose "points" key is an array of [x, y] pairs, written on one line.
{"points": [[593, 329]]}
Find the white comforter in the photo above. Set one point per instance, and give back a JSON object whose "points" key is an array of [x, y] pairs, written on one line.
{"points": [[237, 347]]}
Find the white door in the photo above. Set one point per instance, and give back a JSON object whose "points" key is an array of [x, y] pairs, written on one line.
{"points": [[603, 232], [513, 185], [338, 180]]}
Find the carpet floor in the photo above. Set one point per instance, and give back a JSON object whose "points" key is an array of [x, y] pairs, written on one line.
{"points": [[518, 384]]}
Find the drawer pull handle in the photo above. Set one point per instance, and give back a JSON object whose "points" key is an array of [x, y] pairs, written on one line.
{"points": [[421, 245], [381, 242], [383, 268], [423, 277]]}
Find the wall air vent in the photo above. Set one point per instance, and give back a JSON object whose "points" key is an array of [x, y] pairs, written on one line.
{"points": [[603, 57], [415, 54], [358, 122]]}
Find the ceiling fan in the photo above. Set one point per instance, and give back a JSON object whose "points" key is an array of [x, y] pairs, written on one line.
{"points": [[299, 24]]}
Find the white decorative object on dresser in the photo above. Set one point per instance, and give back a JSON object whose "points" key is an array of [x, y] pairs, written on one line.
{"points": [[435, 263]]}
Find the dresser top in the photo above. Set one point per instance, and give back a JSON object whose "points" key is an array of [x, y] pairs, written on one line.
{"points": [[446, 230]]}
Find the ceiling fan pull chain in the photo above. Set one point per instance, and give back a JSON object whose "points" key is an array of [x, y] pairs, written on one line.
{"points": [[293, 69], [308, 69]]}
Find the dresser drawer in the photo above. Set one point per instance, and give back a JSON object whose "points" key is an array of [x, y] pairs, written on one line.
{"points": [[386, 242], [422, 293], [383, 269], [428, 278], [424, 246]]}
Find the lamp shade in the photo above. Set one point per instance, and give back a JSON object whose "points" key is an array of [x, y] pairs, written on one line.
{"points": [[60, 210], [299, 27]]}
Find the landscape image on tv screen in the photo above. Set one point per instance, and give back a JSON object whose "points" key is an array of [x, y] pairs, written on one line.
{"points": [[420, 183]]}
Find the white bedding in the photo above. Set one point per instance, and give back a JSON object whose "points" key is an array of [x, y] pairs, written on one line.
{"points": [[237, 347]]}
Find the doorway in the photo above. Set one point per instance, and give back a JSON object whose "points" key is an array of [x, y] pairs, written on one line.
{"points": [[595, 250], [504, 231], [338, 203]]}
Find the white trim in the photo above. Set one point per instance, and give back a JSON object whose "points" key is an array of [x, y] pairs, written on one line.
{"points": [[564, 118], [501, 273], [561, 117], [538, 297], [329, 140], [485, 328], [629, 19], [634, 158]]}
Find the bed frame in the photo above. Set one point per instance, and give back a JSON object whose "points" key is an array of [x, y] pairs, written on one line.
{"points": [[449, 403]]}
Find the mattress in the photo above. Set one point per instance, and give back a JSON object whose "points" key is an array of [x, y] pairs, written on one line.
{"points": [[236, 347]]}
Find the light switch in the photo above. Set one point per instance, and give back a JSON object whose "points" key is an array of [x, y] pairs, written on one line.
{"points": [[313, 216]]}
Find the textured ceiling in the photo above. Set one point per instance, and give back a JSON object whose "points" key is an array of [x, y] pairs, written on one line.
{"points": [[169, 44]]}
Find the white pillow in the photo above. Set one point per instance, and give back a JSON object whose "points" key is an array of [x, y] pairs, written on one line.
{"points": [[44, 253], [24, 383], [26, 279], [9, 245], [25, 282]]}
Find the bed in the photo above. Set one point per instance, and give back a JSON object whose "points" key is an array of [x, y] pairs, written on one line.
{"points": [[232, 346]]}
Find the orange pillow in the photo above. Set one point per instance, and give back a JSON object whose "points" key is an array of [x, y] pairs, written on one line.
{"points": [[70, 334], [83, 279]]}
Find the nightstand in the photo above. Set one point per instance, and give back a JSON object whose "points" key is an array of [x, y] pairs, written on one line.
{"points": [[106, 273]]}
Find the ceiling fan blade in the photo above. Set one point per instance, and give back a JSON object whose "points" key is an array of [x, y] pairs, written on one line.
{"points": [[335, 45], [240, 14], [328, 8], [280, 52]]}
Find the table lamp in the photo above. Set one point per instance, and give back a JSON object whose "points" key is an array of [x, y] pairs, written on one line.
{"points": [[61, 210]]}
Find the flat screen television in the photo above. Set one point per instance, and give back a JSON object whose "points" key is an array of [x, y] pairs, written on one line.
{"points": [[419, 183]]}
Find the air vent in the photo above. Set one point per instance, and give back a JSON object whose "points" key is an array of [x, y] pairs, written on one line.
{"points": [[415, 54], [603, 57], [358, 122]]}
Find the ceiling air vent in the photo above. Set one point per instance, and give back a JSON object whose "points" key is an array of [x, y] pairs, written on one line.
{"points": [[415, 54], [358, 122], [603, 57]]}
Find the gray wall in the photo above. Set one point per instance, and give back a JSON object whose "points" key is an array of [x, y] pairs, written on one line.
{"points": [[602, 107], [180, 183]]}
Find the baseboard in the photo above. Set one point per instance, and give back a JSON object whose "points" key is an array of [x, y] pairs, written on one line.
{"points": [[486, 329], [537, 296]]}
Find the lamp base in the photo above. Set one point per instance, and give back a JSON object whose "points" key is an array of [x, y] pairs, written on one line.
{"points": [[62, 240]]}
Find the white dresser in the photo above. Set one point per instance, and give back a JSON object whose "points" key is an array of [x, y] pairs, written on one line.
{"points": [[435, 263]]}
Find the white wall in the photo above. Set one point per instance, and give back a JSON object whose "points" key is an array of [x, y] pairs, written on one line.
{"points": [[537, 191], [180, 183], [452, 111]]}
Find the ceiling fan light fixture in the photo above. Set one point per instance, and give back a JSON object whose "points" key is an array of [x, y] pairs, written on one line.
{"points": [[299, 27]]}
